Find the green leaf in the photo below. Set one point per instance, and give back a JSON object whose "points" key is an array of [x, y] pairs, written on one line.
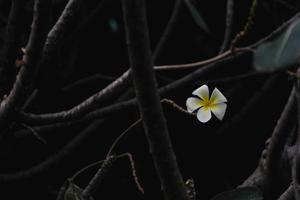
{"points": [[197, 16], [280, 53], [243, 193]]}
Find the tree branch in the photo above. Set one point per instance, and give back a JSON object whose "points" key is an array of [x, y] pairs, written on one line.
{"points": [[98, 177], [63, 115], [249, 105], [294, 160], [272, 155], [55, 39], [51, 161], [24, 77], [228, 26], [280, 132], [148, 100], [40, 119], [288, 194], [9, 50], [167, 31]]}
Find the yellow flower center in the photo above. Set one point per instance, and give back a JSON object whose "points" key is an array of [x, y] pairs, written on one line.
{"points": [[207, 103]]}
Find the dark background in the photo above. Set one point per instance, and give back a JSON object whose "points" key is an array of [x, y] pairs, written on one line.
{"points": [[216, 161]]}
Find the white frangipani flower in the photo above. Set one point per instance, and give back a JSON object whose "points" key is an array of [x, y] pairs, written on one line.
{"points": [[215, 104]]}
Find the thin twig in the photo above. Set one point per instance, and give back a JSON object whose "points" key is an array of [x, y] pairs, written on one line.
{"points": [[246, 29], [167, 31], [34, 133], [29, 100], [228, 27], [236, 78], [217, 58], [77, 174], [88, 80], [249, 106], [276, 32], [132, 165], [51, 128], [177, 107], [116, 141], [134, 174], [111, 150], [62, 190]]}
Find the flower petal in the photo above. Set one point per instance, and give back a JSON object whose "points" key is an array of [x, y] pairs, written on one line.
{"points": [[204, 114], [219, 110], [202, 92], [217, 97], [193, 104]]}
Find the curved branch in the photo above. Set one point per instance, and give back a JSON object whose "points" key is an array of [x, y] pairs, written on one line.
{"points": [[268, 164], [64, 114], [114, 88], [24, 77], [51, 161], [281, 132], [276, 32], [56, 35], [39, 119], [228, 27], [148, 100], [168, 30], [9, 49], [288, 194], [249, 106]]}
